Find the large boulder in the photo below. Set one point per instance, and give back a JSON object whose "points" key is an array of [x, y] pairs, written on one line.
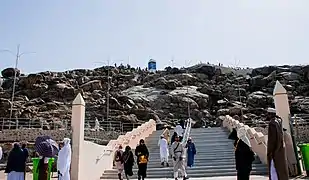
{"points": [[259, 99], [257, 82], [10, 72], [264, 71], [92, 85], [30, 80], [205, 69]]}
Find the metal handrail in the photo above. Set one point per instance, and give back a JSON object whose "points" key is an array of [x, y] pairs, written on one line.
{"points": [[187, 131]]}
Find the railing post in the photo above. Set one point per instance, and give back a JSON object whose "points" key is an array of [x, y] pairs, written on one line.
{"points": [[122, 130], [2, 124]]}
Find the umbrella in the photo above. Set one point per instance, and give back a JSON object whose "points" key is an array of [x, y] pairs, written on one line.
{"points": [[45, 146]]}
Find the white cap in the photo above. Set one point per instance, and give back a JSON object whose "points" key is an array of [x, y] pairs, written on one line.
{"points": [[271, 110]]}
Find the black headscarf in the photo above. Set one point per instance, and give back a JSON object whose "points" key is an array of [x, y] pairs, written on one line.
{"points": [[16, 160], [233, 135], [128, 156], [141, 149]]}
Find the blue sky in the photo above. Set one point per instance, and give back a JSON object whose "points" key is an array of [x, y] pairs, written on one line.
{"points": [[77, 33]]}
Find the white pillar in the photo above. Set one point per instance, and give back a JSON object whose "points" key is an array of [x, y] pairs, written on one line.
{"points": [[282, 105], [78, 124]]}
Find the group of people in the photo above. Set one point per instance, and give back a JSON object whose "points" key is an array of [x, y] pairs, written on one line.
{"points": [[18, 157], [178, 150], [124, 160], [281, 158]]}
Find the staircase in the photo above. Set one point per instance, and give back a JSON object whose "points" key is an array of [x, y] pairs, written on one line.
{"points": [[215, 157]]}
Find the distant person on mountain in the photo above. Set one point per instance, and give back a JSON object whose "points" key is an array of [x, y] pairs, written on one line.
{"points": [[191, 152], [244, 156], [119, 161], [290, 153], [179, 130], [166, 134], [142, 153], [164, 153], [276, 148], [178, 154], [128, 162], [173, 137]]}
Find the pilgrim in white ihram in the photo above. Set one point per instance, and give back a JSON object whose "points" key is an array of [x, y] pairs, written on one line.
{"points": [[64, 160], [164, 153]]}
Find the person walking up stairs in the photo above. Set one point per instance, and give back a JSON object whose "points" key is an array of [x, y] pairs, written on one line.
{"points": [[178, 154]]}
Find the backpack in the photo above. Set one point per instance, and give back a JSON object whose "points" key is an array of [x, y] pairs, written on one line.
{"points": [[118, 156]]}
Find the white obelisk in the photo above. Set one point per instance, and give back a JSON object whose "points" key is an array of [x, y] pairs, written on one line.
{"points": [[282, 105]]}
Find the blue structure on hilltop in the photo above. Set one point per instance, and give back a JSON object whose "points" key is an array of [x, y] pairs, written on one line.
{"points": [[152, 65]]}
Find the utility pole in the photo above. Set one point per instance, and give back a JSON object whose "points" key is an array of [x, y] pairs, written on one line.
{"points": [[187, 73], [236, 64], [108, 86], [107, 95], [17, 55]]}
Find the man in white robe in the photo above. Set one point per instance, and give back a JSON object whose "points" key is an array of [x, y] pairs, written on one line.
{"points": [[178, 154], [163, 150], [64, 160]]}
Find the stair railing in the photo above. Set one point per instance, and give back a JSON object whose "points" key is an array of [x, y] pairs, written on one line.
{"points": [[187, 131]]}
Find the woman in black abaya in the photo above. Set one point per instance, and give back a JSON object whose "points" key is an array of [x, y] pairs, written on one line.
{"points": [[244, 156]]}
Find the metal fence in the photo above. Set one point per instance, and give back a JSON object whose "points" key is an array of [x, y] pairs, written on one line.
{"points": [[96, 131], [90, 125], [301, 128]]}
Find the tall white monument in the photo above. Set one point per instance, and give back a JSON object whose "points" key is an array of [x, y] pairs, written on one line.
{"points": [[78, 126], [282, 105]]}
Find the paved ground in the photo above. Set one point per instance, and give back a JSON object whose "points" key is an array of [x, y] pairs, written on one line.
{"points": [[29, 177]]}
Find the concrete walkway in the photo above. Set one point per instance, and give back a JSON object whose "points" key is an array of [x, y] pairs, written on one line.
{"points": [[29, 177]]}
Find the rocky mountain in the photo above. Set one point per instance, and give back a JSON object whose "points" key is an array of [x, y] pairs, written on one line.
{"points": [[137, 95]]}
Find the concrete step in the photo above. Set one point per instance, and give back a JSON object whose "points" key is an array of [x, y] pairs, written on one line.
{"points": [[197, 158], [215, 156], [199, 140], [196, 138], [204, 147], [203, 153], [204, 175], [217, 162], [168, 173], [195, 168]]}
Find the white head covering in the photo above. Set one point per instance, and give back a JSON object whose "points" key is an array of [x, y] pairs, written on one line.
{"points": [[242, 134], [64, 157]]}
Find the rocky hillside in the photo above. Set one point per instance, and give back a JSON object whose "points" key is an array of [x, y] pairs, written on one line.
{"points": [[136, 95]]}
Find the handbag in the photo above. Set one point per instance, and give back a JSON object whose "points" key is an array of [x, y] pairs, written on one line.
{"points": [[143, 159]]}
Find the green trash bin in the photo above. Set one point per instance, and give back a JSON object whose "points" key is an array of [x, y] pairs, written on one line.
{"points": [[304, 149], [35, 171], [50, 167]]}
